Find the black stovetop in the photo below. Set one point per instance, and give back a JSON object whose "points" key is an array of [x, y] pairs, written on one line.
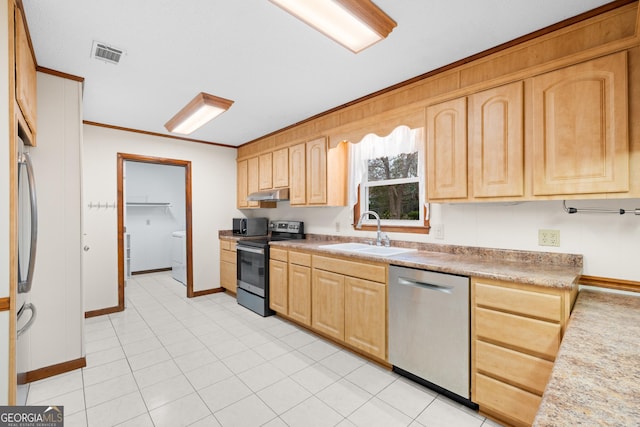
{"points": [[280, 230]]}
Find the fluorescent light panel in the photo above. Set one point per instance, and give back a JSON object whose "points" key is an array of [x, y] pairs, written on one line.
{"points": [[355, 24], [200, 110]]}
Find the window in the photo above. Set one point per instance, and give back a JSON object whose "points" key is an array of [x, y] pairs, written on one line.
{"points": [[391, 187], [387, 176]]}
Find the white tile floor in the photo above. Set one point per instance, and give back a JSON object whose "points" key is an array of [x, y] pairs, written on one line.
{"points": [[172, 361]]}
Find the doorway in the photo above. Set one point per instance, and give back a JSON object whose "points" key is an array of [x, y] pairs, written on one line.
{"points": [[122, 158]]}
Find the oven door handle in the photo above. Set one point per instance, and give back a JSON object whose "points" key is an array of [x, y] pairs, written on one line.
{"points": [[252, 250]]}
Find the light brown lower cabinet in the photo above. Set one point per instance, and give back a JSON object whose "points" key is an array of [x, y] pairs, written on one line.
{"points": [[278, 286], [327, 302], [349, 301], [342, 299], [365, 316], [300, 293], [516, 333], [228, 262]]}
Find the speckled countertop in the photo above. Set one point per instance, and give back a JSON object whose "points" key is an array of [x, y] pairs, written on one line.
{"points": [[596, 376], [536, 268]]}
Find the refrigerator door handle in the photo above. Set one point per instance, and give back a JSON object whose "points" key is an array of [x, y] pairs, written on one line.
{"points": [[25, 328], [25, 285]]}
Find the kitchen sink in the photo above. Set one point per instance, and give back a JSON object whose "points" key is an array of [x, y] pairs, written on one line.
{"points": [[385, 250], [363, 248], [349, 247]]}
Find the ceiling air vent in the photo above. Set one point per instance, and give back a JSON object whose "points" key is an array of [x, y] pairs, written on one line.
{"points": [[106, 53]]}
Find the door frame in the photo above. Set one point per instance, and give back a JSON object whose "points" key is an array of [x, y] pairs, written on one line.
{"points": [[122, 157]]}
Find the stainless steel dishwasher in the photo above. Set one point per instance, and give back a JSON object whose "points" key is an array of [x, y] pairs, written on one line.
{"points": [[429, 330]]}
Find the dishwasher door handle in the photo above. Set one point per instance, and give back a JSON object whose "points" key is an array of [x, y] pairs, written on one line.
{"points": [[425, 285]]}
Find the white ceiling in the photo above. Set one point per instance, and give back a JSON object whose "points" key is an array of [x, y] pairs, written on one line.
{"points": [[277, 70]]}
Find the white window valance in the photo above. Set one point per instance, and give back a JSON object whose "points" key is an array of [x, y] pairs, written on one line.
{"points": [[401, 140]]}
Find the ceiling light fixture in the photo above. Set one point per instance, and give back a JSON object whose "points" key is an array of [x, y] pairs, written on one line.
{"points": [[200, 110], [355, 24]]}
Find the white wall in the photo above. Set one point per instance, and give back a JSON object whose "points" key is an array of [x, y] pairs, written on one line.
{"points": [[56, 335], [213, 176], [608, 242], [150, 227]]}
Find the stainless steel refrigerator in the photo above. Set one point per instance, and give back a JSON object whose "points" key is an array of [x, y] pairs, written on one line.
{"points": [[27, 243]]}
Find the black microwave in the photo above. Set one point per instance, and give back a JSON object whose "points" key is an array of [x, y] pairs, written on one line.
{"points": [[250, 226]]}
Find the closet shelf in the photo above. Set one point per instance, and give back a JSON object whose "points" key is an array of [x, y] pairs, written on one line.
{"points": [[149, 204]]}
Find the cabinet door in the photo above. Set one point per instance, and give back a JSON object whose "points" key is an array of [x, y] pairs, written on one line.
{"points": [[26, 85], [265, 169], [278, 286], [327, 314], [580, 128], [252, 179], [447, 150], [300, 293], [317, 171], [297, 175], [365, 316], [243, 189], [281, 168], [496, 141], [228, 276]]}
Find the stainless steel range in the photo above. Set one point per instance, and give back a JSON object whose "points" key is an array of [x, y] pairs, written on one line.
{"points": [[253, 265]]}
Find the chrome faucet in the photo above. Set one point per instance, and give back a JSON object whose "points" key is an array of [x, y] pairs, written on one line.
{"points": [[381, 237]]}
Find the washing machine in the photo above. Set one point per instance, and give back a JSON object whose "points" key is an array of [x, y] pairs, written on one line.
{"points": [[179, 256]]}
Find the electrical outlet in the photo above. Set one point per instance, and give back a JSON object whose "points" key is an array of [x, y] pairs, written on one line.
{"points": [[438, 231], [548, 237]]}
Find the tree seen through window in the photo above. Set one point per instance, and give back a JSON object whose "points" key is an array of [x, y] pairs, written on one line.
{"points": [[393, 189]]}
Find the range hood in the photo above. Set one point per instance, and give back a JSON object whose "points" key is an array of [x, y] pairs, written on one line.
{"points": [[276, 195]]}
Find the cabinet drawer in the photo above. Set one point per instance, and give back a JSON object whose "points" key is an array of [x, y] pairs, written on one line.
{"points": [[300, 259], [225, 245], [516, 404], [278, 254], [528, 303], [531, 335], [523, 370], [373, 272], [228, 256]]}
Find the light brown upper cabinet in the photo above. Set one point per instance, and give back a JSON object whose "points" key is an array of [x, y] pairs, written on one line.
{"points": [[317, 174], [580, 128], [447, 150], [496, 141], [252, 179], [317, 171], [298, 174], [265, 169], [248, 182], [243, 189], [281, 168], [26, 85]]}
